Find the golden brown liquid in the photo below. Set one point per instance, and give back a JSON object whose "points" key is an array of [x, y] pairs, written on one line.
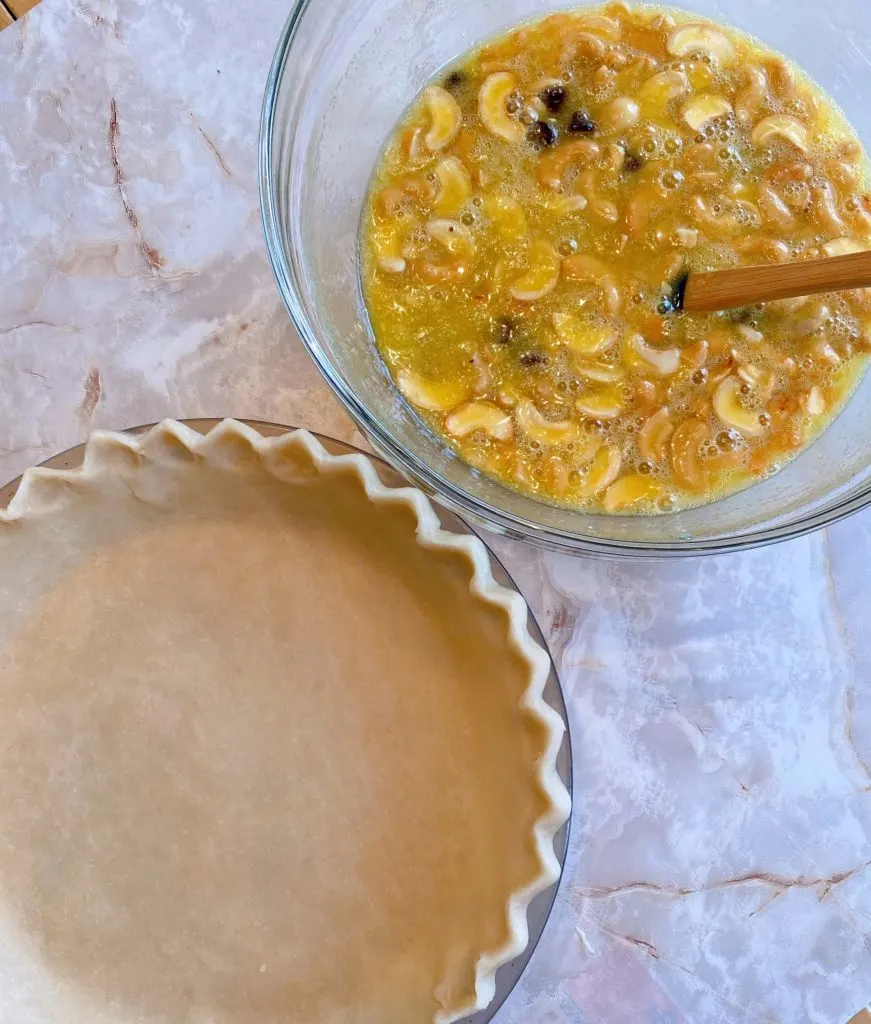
{"points": [[530, 220]]}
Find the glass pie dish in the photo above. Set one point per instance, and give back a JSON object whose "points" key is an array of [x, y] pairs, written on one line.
{"points": [[163, 466], [341, 77]]}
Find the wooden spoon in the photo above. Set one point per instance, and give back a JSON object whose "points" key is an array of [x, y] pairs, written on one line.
{"points": [[747, 286]]}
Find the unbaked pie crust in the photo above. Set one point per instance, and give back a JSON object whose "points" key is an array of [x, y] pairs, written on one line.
{"points": [[273, 747]]}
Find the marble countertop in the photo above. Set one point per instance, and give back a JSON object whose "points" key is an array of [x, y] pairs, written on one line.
{"points": [[720, 866]]}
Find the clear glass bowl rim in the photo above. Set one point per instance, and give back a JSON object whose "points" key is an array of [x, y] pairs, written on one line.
{"points": [[406, 462]]}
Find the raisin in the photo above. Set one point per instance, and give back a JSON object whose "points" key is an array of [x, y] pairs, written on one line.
{"points": [[553, 96], [506, 331], [454, 80], [533, 359], [633, 163], [581, 122], [541, 133]]}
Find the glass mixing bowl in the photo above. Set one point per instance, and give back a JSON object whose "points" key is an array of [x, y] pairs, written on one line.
{"points": [[343, 73]]}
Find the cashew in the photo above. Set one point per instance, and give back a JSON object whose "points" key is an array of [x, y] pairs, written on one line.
{"points": [[604, 79], [696, 355], [565, 206], [493, 106], [774, 209], [660, 21], [687, 237], [751, 99], [641, 70], [630, 490], [654, 435], [602, 373], [721, 369], [603, 471], [773, 249], [392, 264], [455, 186], [507, 215], [445, 116], [394, 198], [543, 431], [453, 235], [843, 247], [412, 145], [664, 271], [846, 175], [747, 216], [580, 337], [737, 217], [846, 166], [780, 126], [791, 173], [861, 215], [603, 404], [851, 151], [582, 267], [618, 115], [389, 201], [482, 373], [782, 77], [662, 361], [615, 157], [639, 208], [656, 93], [388, 247], [436, 396], [584, 447], [731, 412], [823, 351], [602, 209], [704, 108], [686, 443], [814, 402], [646, 395], [787, 307], [762, 380], [701, 156], [542, 276], [707, 181], [826, 208], [457, 240], [588, 47], [552, 166], [699, 37], [599, 25], [810, 324], [699, 208], [484, 416]]}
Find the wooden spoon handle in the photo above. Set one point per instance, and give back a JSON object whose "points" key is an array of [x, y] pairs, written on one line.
{"points": [[745, 286]]}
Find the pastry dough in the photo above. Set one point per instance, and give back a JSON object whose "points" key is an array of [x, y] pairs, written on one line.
{"points": [[272, 744]]}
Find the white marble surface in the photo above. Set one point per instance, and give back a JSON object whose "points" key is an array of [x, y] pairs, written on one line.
{"points": [[720, 868]]}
